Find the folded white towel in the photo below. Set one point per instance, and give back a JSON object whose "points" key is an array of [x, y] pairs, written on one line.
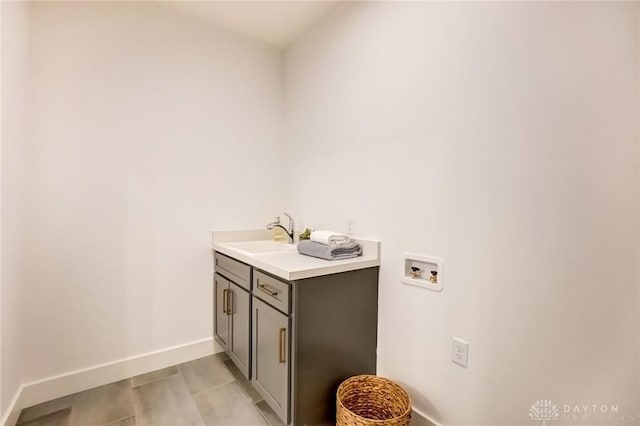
{"points": [[330, 238]]}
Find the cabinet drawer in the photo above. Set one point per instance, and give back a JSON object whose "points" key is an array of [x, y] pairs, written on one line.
{"points": [[233, 270], [272, 291]]}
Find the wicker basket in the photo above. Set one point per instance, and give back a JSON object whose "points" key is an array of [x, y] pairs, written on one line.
{"points": [[371, 400]]}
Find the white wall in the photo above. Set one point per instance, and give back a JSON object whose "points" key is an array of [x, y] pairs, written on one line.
{"points": [[502, 137], [149, 131], [14, 50]]}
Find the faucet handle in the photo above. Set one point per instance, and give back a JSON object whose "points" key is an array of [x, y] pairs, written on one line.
{"points": [[274, 223], [289, 216]]}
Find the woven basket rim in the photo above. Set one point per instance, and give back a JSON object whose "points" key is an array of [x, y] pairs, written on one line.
{"points": [[379, 378]]}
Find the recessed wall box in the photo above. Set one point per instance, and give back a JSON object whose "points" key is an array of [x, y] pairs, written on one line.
{"points": [[422, 271]]}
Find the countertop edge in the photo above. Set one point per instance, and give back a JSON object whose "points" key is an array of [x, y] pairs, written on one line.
{"points": [[370, 258]]}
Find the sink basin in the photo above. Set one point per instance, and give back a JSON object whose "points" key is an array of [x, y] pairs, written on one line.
{"points": [[262, 246]]}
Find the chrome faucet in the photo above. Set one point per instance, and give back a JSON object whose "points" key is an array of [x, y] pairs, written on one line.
{"points": [[292, 226]]}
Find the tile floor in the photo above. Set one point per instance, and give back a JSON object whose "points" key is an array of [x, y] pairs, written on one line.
{"points": [[205, 392]]}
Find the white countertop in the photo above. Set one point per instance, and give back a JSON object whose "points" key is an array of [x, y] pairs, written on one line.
{"points": [[287, 263]]}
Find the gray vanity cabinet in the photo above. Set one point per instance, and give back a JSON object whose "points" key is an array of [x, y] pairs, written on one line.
{"points": [[239, 348], [221, 320], [233, 310], [271, 356], [297, 340], [308, 336]]}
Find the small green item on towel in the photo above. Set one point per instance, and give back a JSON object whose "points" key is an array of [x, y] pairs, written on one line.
{"points": [[305, 235]]}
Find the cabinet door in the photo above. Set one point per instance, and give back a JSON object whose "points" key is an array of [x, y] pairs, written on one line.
{"points": [[239, 347], [271, 357], [221, 317]]}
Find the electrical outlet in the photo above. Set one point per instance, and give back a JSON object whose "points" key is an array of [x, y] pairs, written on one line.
{"points": [[350, 223], [459, 351]]}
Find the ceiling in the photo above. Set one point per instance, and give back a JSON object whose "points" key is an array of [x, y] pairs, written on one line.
{"points": [[277, 23]]}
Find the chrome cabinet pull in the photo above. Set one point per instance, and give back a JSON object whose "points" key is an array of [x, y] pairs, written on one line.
{"points": [[282, 345]]}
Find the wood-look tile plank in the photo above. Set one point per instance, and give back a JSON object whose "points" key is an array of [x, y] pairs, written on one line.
{"points": [[153, 376], [57, 418], [227, 405], [129, 421], [269, 414], [45, 408], [245, 384], [165, 402], [102, 405], [205, 373]]}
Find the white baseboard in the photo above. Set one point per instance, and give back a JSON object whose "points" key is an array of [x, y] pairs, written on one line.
{"points": [[419, 418], [80, 380]]}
